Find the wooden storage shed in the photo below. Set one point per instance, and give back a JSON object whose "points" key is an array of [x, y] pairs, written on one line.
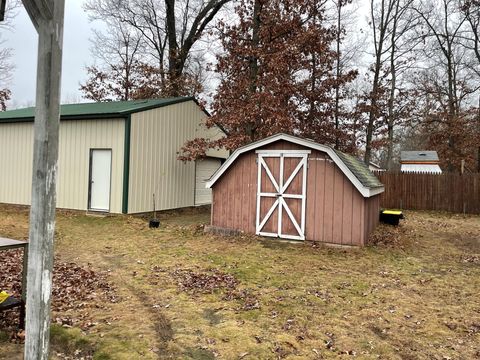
{"points": [[291, 188], [114, 155]]}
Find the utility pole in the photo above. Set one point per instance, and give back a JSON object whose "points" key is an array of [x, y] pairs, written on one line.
{"points": [[47, 17]]}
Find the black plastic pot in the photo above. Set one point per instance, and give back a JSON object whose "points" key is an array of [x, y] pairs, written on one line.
{"points": [[154, 223]]}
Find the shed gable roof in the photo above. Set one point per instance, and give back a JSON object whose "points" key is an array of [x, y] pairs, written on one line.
{"points": [[360, 170], [355, 170], [94, 110]]}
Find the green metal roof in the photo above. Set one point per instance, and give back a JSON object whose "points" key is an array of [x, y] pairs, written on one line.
{"points": [[360, 170], [94, 110]]}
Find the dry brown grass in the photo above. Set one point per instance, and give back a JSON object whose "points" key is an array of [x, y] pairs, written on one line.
{"points": [[414, 295]]}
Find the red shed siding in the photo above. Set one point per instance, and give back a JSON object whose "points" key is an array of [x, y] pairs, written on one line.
{"points": [[334, 206], [372, 217], [335, 211], [234, 198]]}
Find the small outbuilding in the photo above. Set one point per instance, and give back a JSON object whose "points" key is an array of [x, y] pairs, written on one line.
{"points": [[420, 162], [291, 188], [113, 156], [375, 167]]}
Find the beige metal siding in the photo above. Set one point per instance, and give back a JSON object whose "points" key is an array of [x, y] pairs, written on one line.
{"points": [[156, 138], [16, 157], [77, 137], [204, 170]]}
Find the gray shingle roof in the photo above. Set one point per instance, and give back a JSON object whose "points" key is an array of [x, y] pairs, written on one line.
{"points": [[360, 170], [419, 156]]}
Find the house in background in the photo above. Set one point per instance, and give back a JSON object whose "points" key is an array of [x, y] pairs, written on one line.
{"points": [[294, 188], [420, 162], [114, 156], [375, 167]]}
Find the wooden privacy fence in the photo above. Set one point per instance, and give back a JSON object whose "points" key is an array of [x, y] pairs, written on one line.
{"points": [[417, 191]]}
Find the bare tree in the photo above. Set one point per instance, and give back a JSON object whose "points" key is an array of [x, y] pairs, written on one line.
{"points": [[6, 69], [447, 76], [118, 50], [8, 11], [471, 10], [401, 47], [381, 19], [348, 49], [443, 25], [169, 29], [471, 37], [7, 15], [392, 23]]}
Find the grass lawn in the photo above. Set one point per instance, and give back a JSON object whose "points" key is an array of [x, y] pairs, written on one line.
{"points": [[189, 295]]}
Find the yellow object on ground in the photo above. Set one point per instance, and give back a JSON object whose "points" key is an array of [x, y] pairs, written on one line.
{"points": [[3, 296], [392, 212]]}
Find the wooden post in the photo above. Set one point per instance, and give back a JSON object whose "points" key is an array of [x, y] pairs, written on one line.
{"points": [[47, 17]]}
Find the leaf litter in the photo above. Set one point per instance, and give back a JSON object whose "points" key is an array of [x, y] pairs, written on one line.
{"points": [[211, 280], [75, 290]]}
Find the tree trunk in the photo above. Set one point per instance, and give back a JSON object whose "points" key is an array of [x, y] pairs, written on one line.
{"points": [[173, 50], [393, 85], [451, 105], [373, 110], [337, 75], [478, 137], [372, 116], [253, 63], [127, 75]]}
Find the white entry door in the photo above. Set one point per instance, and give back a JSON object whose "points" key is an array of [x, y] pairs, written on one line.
{"points": [[281, 193], [100, 175]]}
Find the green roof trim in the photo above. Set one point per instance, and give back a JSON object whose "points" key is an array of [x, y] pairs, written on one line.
{"points": [[126, 164], [360, 170], [110, 109]]}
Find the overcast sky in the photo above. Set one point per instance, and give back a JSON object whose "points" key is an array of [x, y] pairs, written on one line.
{"points": [[76, 55]]}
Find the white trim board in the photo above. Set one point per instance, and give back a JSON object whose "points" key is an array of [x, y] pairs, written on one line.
{"points": [[365, 191], [281, 187], [285, 153]]}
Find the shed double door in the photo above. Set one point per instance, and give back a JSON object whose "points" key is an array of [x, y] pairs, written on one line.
{"points": [[281, 193]]}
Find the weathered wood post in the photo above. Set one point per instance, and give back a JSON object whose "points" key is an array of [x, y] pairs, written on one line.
{"points": [[47, 17]]}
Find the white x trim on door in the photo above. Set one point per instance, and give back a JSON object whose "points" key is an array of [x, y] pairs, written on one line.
{"points": [[280, 192]]}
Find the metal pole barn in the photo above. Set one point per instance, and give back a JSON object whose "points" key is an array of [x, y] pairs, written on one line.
{"points": [[47, 17]]}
